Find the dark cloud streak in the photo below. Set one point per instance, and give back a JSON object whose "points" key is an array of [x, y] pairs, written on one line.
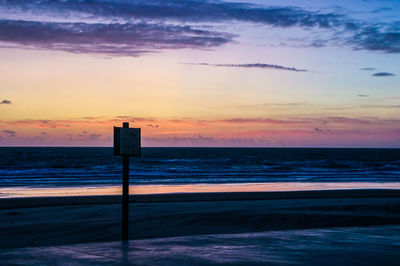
{"points": [[254, 65], [383, 74]]}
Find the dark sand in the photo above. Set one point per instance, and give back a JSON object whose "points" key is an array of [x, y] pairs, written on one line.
{"points": [[34, 222]]}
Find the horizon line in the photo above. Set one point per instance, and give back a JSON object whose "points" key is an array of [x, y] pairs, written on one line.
{"points": [[217, 147]]}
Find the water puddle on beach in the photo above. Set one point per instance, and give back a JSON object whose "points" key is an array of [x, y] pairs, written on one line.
{"points": [[375, 245], [23, 192]]}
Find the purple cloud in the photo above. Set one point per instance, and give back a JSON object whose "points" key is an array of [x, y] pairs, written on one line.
{"points": [[133, 28], [113, 39]]}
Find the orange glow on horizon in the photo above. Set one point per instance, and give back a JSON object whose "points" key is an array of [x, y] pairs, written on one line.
{"points": [[258, 132]]}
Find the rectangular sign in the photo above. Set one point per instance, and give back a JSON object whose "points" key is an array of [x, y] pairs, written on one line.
{"points": [[127, 141]]}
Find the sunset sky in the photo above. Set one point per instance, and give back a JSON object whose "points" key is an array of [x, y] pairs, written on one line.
{"points": [[201, 73]]}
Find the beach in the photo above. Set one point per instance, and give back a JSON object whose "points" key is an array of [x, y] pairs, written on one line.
{"points": [[55, 221], [202, 132]]}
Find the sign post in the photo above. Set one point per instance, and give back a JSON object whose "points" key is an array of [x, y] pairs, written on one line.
{"points": [[126, 143]]}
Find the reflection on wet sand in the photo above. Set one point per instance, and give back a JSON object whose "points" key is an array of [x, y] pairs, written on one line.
{"points": [[18, 192]]}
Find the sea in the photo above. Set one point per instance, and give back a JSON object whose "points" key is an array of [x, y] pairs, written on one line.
{"points": [[66, 166]]}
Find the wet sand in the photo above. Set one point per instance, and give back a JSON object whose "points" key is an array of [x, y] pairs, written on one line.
{"points": [[55, 221], [373, 245]]}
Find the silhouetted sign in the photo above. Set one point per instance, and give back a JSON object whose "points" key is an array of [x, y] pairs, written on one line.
{"points": [[127, 141]]}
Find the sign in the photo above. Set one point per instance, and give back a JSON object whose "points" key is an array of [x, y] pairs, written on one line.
{"points": [[127, 141]]}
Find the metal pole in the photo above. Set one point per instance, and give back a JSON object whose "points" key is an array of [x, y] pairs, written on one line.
{"points": [[125, 194]]}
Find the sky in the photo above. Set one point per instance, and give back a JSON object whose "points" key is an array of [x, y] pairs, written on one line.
{"points": [[201, 73]]}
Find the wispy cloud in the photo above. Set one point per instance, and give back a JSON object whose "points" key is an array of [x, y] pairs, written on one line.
{"points": [[321, 107], [383, 74], [367, 68], [94, 137], [318, 130], [347, 120], [10, 133], [112, 39], [253, 65], [136, 27], [133, 118], [179, 10], [5, 102], [186, 131], [278, 105], [383, 9], [151, 125], [260, 121], [377, 38], [384, 106], [185, 122]]}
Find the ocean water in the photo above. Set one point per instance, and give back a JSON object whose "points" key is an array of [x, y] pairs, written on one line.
{"points": [[51, 167]]}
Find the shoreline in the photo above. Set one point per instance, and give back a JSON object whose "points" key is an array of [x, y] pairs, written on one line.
{"points": [[34, 202], [32, 192]]}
